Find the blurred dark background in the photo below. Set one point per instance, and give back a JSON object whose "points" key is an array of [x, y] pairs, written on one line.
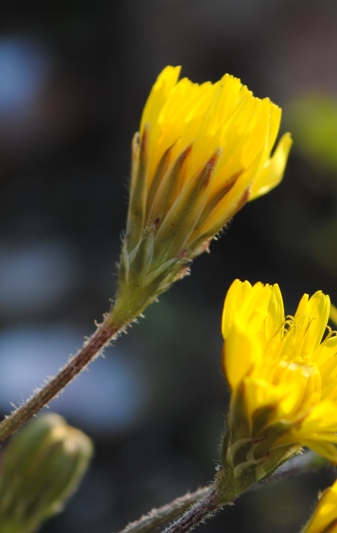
{"points": [[74, 78]]}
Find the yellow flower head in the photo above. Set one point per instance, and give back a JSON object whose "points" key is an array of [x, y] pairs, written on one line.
{"points": [[282, 371], [324, 519], [201, 153]]}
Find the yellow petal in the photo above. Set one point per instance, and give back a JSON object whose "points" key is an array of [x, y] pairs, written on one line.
{"points": [[240, 353], [324, 519], [272, 172]]}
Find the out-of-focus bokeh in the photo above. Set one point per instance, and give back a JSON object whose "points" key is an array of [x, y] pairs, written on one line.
{"points": [[74, 77]]}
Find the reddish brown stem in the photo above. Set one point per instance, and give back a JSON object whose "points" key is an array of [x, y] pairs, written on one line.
{"points": [[204, 508], [158, 517], [91, 349]]}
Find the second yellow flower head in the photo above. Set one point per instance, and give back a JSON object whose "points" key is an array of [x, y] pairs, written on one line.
{"points": [[282, 371]]}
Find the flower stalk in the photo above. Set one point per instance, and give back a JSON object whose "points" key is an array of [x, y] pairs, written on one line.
{"points": [[300, 464], [202, 152], [203, 508], [225, 489], [162, 515], [106, 332]]}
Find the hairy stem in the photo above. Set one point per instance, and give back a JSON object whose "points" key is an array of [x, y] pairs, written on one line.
{"points": [[203, 508], [299, 464], [158, 517], [104, 333]]}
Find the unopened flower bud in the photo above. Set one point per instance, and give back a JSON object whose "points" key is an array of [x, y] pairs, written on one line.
{"points": [[41, 468]]}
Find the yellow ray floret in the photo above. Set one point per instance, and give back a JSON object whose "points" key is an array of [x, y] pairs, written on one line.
{"points": [[282, 369]]}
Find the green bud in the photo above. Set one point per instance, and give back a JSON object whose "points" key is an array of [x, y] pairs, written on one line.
{"points": [[40, 469]]}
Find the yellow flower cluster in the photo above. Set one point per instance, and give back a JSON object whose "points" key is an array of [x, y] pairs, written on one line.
{"points": [[281, 370], [202, 152]]}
